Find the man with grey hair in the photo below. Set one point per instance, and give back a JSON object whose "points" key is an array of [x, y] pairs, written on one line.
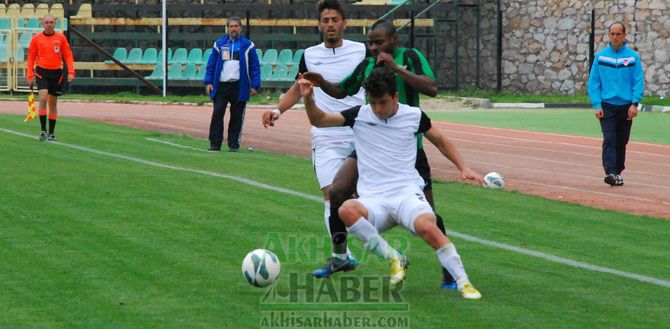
{"points": [[232, 75]]}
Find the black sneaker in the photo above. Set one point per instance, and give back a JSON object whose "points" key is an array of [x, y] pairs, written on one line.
{"points": [[214, 149], [618, 181], [51, 138], [233, 150], [335, 264], [43, 136], [614, 180]]}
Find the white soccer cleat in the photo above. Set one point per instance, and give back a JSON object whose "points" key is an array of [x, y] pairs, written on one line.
{"points": [[398, 266]]}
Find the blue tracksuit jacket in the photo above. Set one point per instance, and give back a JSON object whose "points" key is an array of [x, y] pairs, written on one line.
{"points": [[250, 69], [616, 77]]}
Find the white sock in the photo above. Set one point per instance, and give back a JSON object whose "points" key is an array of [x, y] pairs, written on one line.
{"points": [[326, 218], [371, 239], [450, 260]]}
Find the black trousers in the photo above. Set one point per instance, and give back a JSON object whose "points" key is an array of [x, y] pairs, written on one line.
{"points": [[616, 132], [227, 93]]}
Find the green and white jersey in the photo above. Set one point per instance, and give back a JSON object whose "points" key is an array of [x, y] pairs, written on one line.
{"points": [[410, 59]]}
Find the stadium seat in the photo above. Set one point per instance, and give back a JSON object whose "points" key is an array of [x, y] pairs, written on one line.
{"points": [[189, 72], [285, 57], [3, 40], [4, 23], [180, 56], [20, 55], [134, 56], [297, 55], [292, 72], [57, 10], [266, 72], [85, 11], [201, 73], [120, 54], [34, 23], [61, 23], [149, 56], [259, 54], [27, 11], [159, 57], [24, 39], [157, 73], [3, 10], [279, 73], [175, 72], [205, 56], [4, 55], [13, 10], [195, 56], [270, 56], [41, 10]]}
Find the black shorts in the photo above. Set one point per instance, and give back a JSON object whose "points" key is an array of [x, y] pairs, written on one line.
{"points": [[421, 166], [52, 80]]}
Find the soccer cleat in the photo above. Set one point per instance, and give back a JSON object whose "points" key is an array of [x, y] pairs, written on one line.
{"points": [[335, 264], [51, 138], [448, 283], [469, 292], [614, 180], [398, 266], [43, 136]]}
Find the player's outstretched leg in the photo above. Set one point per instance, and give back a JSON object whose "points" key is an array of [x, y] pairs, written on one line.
{"points": [[341, 189], [354, 215], [448, 281], [446, 253]]}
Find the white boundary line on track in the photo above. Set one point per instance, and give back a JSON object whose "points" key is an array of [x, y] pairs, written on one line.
{"points": [[542, 255]]}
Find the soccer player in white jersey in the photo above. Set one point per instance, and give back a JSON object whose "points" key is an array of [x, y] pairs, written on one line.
{"points": [[390, 188], [334, 58]]}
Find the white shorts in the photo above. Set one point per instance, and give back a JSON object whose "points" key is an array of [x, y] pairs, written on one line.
{"points": [[385, 213], [328, 155]]}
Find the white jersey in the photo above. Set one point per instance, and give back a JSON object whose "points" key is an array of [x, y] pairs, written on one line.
{"points": [[334, 64], [386, 149]]}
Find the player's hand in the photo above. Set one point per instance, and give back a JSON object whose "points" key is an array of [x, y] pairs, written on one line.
{"points": [[208, 89], [387, 60], [469, 174], [316, 79], [306, 87], [599, 114], [70, 78], [269, 118], [632, 112], [252, 91]]}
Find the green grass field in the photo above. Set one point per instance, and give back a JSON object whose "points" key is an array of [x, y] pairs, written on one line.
{"points": [[106, 229], [651, 127]]}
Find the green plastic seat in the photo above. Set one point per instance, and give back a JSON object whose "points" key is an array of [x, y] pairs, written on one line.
{"points": [[175, 72], [24, 39], [266, 72], [149, 56], [156, 74], [134, 56], [280, 73], [4, 23], [205, 56], [159, 57], [33, 23], [259, 54], [4, 55], [285, 57], [270, 56], [120, 54], [201, 73], [292, 72], [189, 72], [195, 56], [180, 56], [297, 55]]}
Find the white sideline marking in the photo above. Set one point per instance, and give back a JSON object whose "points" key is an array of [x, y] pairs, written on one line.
{"points": [[545, 256], [175, 144]]}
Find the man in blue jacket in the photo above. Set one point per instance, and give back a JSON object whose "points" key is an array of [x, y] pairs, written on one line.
{"points": [[233, 74], [616, 86]]}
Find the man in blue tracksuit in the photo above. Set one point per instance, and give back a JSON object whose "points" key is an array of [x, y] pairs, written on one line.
{"points": [[232, 74], [616, 86]]}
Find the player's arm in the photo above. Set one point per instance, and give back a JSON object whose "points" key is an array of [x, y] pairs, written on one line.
{"points": [[420, 77], [69, 59], [330, 88], [290, 98], [30, 65], [317, 117], [448, 149]]}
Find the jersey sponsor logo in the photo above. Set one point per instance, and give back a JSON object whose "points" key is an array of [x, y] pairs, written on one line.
{"points": [[419, 196], [371, 124], [56, 49]]}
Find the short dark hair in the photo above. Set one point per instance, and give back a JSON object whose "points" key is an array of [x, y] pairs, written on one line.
{"points": [[386, 25], [615, 23], [234, 18], [330, 4], [380, 81]]}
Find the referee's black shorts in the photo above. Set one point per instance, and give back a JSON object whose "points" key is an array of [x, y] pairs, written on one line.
{"points": [[421, 166], [52, 80]]}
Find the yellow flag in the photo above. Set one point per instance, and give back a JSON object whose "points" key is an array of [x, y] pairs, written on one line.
{"points": [[31, 107]]}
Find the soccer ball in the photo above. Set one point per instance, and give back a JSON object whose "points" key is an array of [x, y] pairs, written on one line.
{"points": [[261, 267], [494, 180]]}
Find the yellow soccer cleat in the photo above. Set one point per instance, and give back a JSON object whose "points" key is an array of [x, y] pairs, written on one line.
{"points": [[469, 292], [398, 266]]}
